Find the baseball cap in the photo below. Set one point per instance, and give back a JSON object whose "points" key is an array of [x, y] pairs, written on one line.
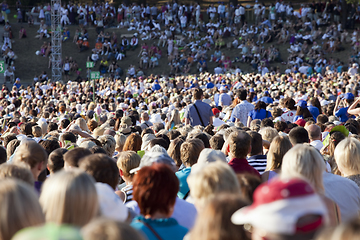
{"points": [[279, 204], [300, 122], [222, 88], [302, 104], [215, 111], [348, 96], [154, 157]]}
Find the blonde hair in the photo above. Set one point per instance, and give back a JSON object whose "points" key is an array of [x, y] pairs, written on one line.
{"points": [[268, 133], [98, 132], [69, 197], [19, 207], [304, 161], [347, 156], [108, 144], [345, 231], [214, 221], [206, 181], [278, 148], [18, 172], [106, 229], [82, 124], [37, 131], [126, 161], [120, 141], [43, 126]]}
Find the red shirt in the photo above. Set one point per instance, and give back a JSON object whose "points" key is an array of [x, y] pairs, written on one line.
{"points": [[242, 166]]}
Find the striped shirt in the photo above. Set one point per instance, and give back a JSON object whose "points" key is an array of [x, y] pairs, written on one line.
{"points": [[258, 162], [128, 190]]}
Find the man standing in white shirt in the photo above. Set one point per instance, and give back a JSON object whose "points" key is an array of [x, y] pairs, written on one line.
{"points": [[242, 14], [353, 70], [218, 70], [241, 111], [315, 136], [224, 98]]}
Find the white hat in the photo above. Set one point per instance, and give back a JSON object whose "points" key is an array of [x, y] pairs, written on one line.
{"points": [[208, 155], [279, 204], [155, 118]]}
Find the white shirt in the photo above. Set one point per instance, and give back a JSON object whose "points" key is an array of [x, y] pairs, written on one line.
{"points": [[317, 144], [345, 193]]}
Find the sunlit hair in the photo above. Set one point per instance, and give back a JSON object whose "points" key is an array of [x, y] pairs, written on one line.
{"points": [[69, 197], [268, 133], [19, 207], [344, 231], [106, 229], [206, 181], [347, 156], [108, 144], [278, 148], [82, 124], [304, 161], [133, 143], [19, 172], [120, 142], [126, 161], [213, 222], [31, 153]]}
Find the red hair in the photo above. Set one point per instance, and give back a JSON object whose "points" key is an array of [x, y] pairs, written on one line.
{"points": [[155, 189]]}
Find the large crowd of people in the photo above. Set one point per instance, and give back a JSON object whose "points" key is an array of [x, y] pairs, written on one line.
{"points": [[262, 155]]}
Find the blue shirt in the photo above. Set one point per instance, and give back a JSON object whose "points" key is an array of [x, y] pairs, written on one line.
{"points": [[167, 228], [156, 86], [259, 114], [298, 117], [184, 187], [204, 110], [314, 111], [342, 114]]}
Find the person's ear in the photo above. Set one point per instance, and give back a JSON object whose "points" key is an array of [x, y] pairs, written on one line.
{"points": [[121, 173]]}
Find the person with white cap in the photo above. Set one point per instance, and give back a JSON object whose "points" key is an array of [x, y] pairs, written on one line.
{"points": [[353, 70], [224, 98], [283, 209]]}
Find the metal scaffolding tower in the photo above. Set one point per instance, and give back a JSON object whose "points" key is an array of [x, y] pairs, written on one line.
{"points": [[56, 41]]}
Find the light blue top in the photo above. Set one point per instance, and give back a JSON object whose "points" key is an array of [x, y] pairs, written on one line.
{"points": [[184, 187], [167, 228]]}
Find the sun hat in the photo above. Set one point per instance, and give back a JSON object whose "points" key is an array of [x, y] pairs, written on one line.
{"points": [[279, 204], [208, 155], [126, 121]]}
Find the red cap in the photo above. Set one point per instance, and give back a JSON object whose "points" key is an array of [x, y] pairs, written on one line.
{"points": [[215, 111], [301, 122]]}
